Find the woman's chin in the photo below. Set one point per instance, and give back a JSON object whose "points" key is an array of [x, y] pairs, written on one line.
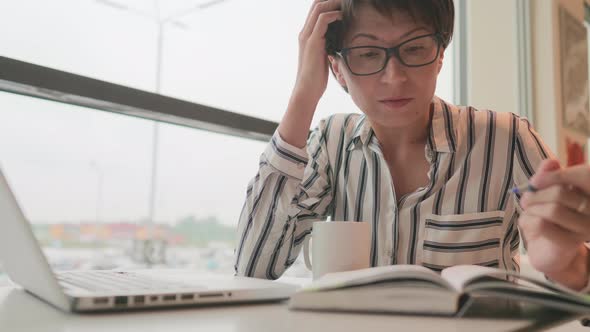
{"points": [[398, 119]]}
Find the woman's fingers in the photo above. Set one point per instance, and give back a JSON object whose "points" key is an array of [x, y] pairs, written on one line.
{"points": [[550, 246], [317, 9], [308, 19], [563, 217], [563, 196], [312, 52], [312, 68], [576, 176], [571, 198], [546, 166], [322, 23]]}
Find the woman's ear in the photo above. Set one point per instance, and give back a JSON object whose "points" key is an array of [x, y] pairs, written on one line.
{"points": [[337, 71], [440, 60]]}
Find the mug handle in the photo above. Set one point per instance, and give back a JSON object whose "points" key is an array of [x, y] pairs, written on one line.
{"points": [[306, 256]]}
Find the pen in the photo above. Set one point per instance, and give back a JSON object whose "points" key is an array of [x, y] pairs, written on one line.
{"points": [[523, 188]]}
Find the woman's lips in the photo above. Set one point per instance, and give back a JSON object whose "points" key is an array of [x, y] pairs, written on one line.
{"points": [[396, 103]]}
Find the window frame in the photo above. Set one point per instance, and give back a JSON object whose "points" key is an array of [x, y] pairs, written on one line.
{"points": [[46, 83]]}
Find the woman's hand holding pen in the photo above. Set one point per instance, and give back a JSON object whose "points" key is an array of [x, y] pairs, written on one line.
{"points": [[556, 222]]}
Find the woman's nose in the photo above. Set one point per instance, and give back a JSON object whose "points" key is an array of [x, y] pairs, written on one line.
{"points": [[394, 71]]}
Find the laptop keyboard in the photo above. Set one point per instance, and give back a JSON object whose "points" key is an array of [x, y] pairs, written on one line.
{"points": [[116, 281]]}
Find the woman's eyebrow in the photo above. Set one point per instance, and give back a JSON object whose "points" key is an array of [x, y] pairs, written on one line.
{"points": [[373, 37]]}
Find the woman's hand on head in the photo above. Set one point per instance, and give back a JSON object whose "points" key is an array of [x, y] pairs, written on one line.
{"points": [[313, 70], [312, 73], [556, 222]]}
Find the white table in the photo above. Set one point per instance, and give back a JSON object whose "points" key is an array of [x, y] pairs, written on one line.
{"points": [[20, 311]]}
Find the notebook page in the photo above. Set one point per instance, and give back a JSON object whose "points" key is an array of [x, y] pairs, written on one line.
{"points": [[376, 274], [460, 275]]}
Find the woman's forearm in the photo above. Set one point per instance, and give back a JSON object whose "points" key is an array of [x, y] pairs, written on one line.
{"points": [[294, 127]]}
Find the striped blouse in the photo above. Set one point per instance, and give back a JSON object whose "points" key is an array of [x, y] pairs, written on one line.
{"points": [[465, 215]]}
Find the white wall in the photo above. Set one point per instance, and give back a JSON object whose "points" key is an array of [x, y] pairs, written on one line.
{"points": [[492, 55], [492, 62]]}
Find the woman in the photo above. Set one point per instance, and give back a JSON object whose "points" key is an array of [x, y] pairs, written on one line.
{"points": [[433, 179]]}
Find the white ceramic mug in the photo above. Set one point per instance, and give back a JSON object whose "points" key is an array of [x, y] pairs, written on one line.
{"points": [[338, 246]]}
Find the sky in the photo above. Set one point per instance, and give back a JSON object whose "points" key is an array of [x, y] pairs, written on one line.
{"points": [[69, 164]]}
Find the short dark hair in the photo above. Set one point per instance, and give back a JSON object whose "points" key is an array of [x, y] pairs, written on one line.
{"points": [[439, 14]]}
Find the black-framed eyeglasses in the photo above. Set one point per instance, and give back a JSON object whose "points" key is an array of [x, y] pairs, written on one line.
{"points": [[416, 52]]}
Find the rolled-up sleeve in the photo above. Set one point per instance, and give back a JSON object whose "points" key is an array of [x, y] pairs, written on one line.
{"points": [[291, 190]]}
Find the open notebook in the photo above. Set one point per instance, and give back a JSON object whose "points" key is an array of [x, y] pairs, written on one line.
{"points": [[415, 289]]}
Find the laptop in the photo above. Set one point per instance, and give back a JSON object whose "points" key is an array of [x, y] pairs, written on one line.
{"points": [[110, 290]]}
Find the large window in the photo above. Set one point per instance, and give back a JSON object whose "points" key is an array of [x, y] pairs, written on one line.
{"points": [[83, 176], [236, 55]]}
